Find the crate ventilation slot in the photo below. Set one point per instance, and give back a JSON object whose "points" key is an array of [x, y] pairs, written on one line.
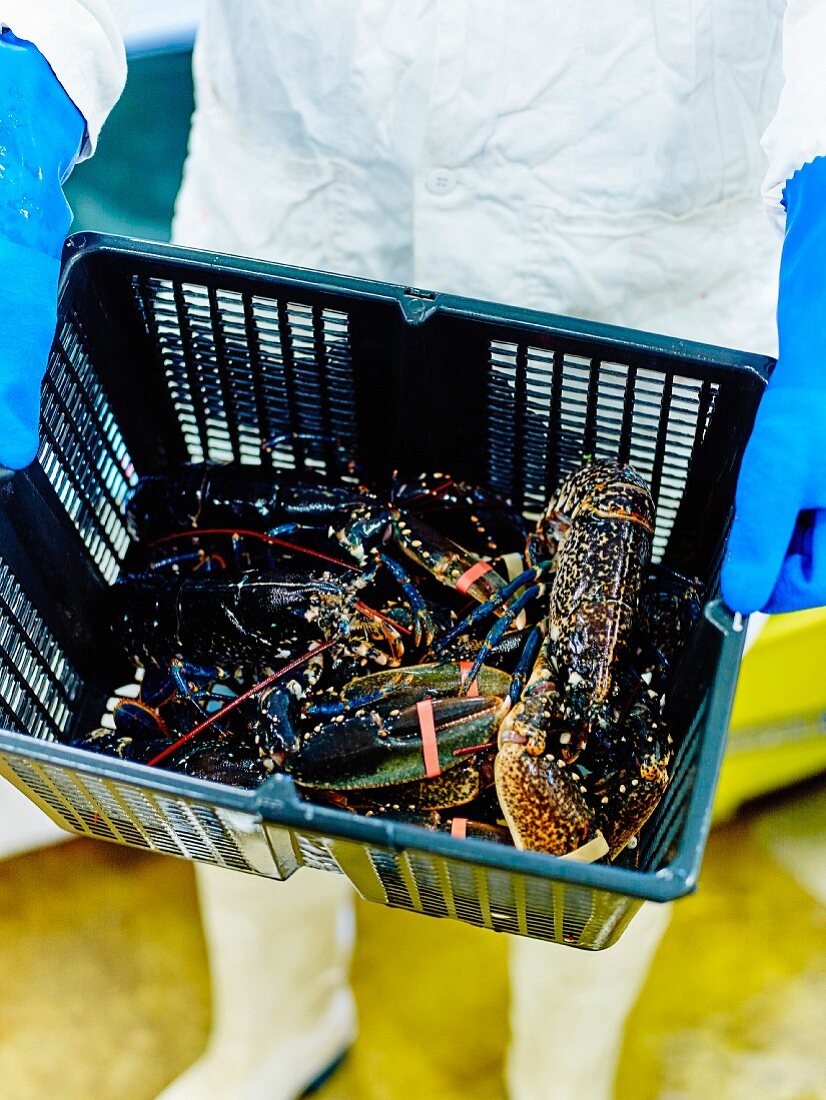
{"points": [[300, 381], [609, 410]]}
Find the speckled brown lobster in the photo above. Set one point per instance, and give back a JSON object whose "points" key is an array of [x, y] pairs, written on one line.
{"points": [[583, 750]]}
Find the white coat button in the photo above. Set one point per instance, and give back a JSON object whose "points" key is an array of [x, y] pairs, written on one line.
{"points": [[441, 181]]}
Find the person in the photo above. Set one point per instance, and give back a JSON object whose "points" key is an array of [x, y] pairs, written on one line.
{"points": [[602, 160]]}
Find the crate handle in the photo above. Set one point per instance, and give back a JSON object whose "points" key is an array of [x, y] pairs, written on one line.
{"points": [[418, 305], [276, 792]]}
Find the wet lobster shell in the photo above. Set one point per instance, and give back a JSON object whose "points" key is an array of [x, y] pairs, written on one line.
{"points": [[369, 749], [600, 567], [212, 494], [256, 618]]}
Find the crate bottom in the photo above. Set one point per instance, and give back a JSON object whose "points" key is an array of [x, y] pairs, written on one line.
{"points": [[122, 813]]}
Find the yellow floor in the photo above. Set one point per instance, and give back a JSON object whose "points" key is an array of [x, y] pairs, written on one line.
{"points": [[105, 989]]}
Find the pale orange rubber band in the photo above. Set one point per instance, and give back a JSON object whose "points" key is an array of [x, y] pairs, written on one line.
{"points": [[458, 827], [473, 574], [430, 748], [464, 671]]}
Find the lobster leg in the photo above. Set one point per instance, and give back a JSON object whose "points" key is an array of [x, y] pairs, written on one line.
{"points": [[524, 665], [492, 606], [179, 559], [423, 626], [496, 633], [194, 684], [360, 645]]}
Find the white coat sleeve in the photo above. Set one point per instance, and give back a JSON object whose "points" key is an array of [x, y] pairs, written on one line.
{"points": [[83, 42], [797, 133]]}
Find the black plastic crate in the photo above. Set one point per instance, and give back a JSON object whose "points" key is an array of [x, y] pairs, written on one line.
{"points": [[163, 355]]}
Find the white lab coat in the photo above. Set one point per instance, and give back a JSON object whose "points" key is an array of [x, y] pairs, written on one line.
{"points": [[598, 159], [601, 159]]}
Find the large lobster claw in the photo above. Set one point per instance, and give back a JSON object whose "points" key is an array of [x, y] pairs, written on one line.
{"points": [[539, 793], [384, 746]]}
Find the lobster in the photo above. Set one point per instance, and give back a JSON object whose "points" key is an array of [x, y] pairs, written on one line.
{"points": [[585, 751]]}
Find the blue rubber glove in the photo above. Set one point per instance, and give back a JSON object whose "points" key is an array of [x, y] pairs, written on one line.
{"points": [[776, 558], [41, 132]]}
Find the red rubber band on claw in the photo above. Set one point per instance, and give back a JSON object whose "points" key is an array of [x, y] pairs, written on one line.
{"points": [[473, 574], [430, 748], [464, 672], [458, 827]]}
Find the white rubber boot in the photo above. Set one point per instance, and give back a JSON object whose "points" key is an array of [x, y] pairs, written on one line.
{"points": [[568, 1011], [282, 1008]]}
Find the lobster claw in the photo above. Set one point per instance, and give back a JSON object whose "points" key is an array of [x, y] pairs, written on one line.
{"points": [[626, 797], [135, 719], [381, 747], [273, 725], [157, 687], [628, 771], [539, 793], [407, 686]]}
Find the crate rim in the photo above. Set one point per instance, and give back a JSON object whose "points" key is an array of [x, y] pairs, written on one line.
{"points": [[416, 304], [276, 802]]}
